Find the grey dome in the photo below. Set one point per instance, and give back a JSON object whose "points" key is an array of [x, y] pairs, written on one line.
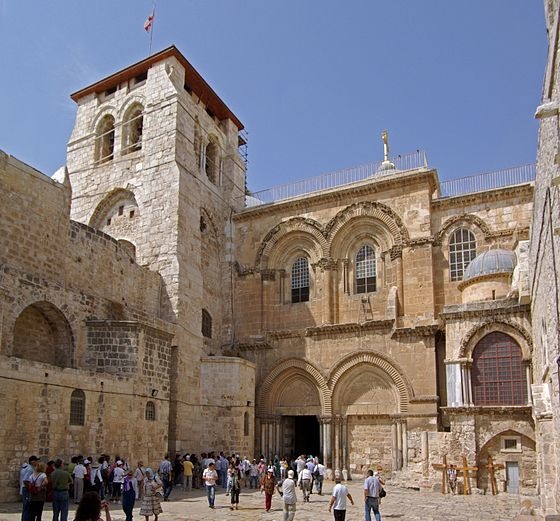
{"points": [[491, 261]]}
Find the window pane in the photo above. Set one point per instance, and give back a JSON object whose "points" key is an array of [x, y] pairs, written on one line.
{"points": [[366, 270], [498, 373], [300, 280], [77, 407], [462, 250]]}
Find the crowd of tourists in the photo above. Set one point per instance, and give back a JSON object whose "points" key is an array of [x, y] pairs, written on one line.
{"points": [[94, 484]]}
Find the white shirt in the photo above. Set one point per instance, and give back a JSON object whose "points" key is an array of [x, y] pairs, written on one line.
{"points": [[209, 477], [340, 492], [289, 491], [118, 475], [79, 471], [373, 486], [320, 469], [305, 474]]}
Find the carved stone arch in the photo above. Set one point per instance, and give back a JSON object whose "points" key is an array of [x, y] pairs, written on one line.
{"points": [[42, 333], [110, 200], [284, 371], [404, 388], [505, 427], [508, 327], [107, 110], [368, 209], [301, 226], [130, 102], [452, 222]]}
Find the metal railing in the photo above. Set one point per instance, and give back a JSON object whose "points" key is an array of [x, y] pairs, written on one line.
{"points": [[488, 181], [335, 179]]}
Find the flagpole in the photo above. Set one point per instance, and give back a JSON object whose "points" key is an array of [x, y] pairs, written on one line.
{"points": [[152, 28]]}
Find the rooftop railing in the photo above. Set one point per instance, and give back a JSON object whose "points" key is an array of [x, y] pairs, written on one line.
{"points": [[465, 185], [488, 181], [335, 179]]}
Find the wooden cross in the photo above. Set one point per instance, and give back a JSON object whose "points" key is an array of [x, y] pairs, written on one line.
{"points": [[443, 468], [491, 466], [466, 469]]}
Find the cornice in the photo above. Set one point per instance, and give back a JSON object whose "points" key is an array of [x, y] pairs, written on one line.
{"points": [[494, 308], [428, 330], [496, 410], [374, 185], [487, 195]]}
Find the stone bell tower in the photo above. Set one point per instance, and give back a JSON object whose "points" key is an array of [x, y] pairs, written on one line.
{"points": [[154, 162]]}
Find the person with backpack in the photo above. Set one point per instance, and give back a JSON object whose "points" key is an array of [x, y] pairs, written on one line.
{"points": [[37, 486]]}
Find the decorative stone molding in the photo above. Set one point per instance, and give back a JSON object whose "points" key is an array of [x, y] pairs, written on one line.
{"points": [[458, 219], [372, 209], [296, 224], [503, 325], [404, 388], [396, 252], [268, 274], [327, 264], [285, 369], [420, 241]]}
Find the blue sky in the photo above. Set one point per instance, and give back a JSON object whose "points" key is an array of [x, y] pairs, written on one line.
{"points": [[314, 81]]}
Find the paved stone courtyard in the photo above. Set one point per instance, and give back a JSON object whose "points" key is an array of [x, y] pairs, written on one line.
{"points": [[400, 504]]}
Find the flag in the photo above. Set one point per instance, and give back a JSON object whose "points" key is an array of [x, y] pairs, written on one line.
{"points": [[149, 22]]}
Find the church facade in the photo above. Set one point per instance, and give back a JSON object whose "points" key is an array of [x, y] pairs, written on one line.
{"points": [[149, 302]]}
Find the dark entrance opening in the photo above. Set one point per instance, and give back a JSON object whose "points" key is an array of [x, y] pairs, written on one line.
{"points": [[306, 436]]}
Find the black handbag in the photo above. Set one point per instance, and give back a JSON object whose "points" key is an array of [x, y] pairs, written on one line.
{"points": [[382, 492]]}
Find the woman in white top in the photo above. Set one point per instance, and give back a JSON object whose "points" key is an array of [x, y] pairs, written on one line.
{"points": [[118, 478]]}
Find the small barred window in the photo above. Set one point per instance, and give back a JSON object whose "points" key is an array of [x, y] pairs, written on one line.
{"points": [[77, 407], [498, 373], [151, 411]]}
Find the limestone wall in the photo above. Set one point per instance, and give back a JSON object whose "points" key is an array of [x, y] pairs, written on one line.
{"points": [[544, 268]]}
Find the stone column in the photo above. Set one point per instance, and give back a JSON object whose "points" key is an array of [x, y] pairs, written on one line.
{"points": [[394, 446], [267, 291], [336, 423], [327, 433], [277, 448], [399, 445], [396, 257], [527, 364], [404, 443], [425, 454], [263, 436], [344, 436], [327, 268]]}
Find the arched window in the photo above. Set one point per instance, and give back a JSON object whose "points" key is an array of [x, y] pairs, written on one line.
{"points": [[206, 324], [212, 162], [462, 250], [132, 129], [366, 270], [497, 371], [105, 139], [300, 280], [151, 411], [77, 407], [246, 424]]}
